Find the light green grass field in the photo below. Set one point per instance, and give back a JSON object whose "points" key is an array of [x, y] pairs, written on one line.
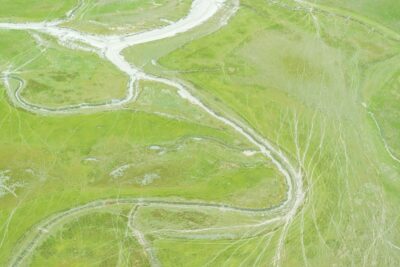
{"points": [[274, 67], [321, 84], [34, 10], [64, 161], [100, 236], [115, 17], [385, 11], [56, 76]]}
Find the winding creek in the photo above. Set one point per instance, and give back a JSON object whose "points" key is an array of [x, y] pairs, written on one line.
{"points": [[110, 48]]}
